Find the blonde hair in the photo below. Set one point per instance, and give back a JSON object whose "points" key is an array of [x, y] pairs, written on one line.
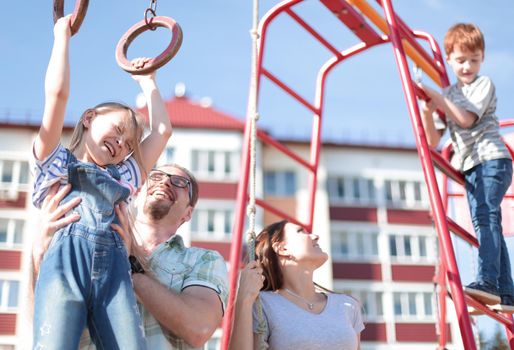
{"points": [[466, 36], [102, 109]]}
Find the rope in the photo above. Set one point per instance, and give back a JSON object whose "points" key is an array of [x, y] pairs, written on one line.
{"points": [[251, 208]]}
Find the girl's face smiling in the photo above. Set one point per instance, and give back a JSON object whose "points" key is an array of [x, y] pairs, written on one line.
{"points": [[109, 138]]}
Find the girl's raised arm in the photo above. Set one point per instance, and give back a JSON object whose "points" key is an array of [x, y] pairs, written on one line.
{"points": [[159, 120], [57, 90]]}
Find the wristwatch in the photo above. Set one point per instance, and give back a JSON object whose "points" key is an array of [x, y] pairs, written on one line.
{"points": [[135, 265]]}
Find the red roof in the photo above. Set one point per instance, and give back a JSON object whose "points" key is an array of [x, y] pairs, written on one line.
{"points": [[185, 113]]}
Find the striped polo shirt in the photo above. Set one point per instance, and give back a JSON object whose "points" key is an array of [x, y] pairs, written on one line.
{"points": [[482, 141]]}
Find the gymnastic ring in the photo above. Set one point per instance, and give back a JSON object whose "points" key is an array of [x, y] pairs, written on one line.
{"points": [[77, 16], [154, 63]]}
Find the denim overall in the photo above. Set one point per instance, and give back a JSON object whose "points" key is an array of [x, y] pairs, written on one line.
{"points": [[85, 278]]}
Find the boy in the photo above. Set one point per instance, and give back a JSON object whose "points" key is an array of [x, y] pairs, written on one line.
{"points": [[482, 156]]}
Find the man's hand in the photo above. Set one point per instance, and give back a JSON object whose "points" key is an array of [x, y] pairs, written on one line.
{"points": [[52, 219]]}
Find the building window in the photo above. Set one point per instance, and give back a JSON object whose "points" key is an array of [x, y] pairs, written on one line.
{"points": [[340, 245], [402, 193], [11, 233], [413, 305], [218, 164], [14, 177], [354, 244], [228, 163], [412, 247], [7, 171], [9, 291], [212, 223], [169, 155], [354, 190], [428, 301], [280, 183]]}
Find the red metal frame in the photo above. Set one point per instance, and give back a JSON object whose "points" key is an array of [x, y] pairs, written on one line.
{"points": [[398, 30]]}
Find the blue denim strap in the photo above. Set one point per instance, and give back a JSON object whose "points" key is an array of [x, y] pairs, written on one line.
{"points": [[113, 171]]}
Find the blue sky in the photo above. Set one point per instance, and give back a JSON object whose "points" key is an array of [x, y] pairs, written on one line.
{"points": [[214, 61], [364, 100]]}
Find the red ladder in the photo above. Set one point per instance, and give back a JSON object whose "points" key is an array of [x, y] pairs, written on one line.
{"points": [[353, 14], [450, 174]]}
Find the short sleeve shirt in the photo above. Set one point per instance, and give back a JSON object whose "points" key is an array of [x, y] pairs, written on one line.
{"points": [[178, 267], [482, 141], [54, 169], [290, 327]]}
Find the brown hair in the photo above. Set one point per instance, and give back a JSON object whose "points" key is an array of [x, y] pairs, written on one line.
{"points": [[466, 36], [104, 108], [191, 178], [267, 257]]}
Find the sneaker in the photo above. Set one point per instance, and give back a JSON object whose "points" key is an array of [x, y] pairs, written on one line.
{"points": [[483, 293], [506, 305]]}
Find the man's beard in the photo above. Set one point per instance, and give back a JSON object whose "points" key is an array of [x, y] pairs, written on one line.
{"points": [[157, 210]]}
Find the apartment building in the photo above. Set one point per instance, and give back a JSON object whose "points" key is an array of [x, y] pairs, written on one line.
{"points": [[371, 213]]}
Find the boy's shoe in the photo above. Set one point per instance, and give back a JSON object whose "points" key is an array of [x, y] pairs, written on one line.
{"points": [[483, 293], [506, 305]]}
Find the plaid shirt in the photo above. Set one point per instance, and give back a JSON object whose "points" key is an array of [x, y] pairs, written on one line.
{"points": [[179, 267]]}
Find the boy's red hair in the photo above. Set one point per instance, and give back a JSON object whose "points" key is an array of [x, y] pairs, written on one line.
{"points": [[465, 36]]}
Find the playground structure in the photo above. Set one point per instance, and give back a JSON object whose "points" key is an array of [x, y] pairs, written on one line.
{"points": [[366, 23], [373, 29], [150, 22]]}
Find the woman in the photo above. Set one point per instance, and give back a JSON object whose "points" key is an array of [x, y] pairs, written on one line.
{"points": [[296, 313]]}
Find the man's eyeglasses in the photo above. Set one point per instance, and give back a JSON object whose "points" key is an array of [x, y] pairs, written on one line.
{"points": [[176, 180]]}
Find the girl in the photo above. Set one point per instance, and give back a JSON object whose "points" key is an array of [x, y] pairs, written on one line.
{"points": [[296, 315], [84, 278]]}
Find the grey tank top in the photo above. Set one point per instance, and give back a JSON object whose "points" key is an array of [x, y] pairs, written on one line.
{"points": [[289, 327]]}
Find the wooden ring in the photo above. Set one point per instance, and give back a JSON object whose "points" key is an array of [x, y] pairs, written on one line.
{"points": [[78, 13], [154, 63]]}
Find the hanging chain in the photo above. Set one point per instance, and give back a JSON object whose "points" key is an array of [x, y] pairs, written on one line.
{"points": [[151, 10]]}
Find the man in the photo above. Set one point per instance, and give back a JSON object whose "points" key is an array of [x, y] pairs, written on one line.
{"points": [[184, 294]]}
